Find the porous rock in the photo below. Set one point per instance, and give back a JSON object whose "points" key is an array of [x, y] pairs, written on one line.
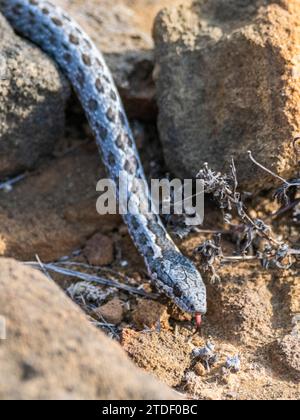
{"points": [[53, 352], [228, 82], [33, 95], [123, 35]]}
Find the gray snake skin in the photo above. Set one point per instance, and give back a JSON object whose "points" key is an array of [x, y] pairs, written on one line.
{"points": [[58, 35]]}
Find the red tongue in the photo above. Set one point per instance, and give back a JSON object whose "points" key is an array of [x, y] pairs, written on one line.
{"points": [[198, 319]]}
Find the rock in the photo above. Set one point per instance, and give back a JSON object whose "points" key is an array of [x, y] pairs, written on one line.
{"points": [[228, 82], [33, 96], [99, 250], [287, 355], [53, 352], [112, 312], [200, 369], [53, 211], [151, 314], [88, 293]]}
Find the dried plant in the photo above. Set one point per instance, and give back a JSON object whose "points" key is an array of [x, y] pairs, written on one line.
{"points": [[224, 188], [206, 355], [296, 213]]}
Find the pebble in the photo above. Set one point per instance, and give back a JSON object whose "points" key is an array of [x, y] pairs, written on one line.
{"points": [[112, 312]]}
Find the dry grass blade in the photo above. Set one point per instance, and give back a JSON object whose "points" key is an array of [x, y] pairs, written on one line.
{"points": [[92, 279]]}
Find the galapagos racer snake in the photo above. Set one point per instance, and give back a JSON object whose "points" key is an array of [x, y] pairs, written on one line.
{"points": [[58, 35]]}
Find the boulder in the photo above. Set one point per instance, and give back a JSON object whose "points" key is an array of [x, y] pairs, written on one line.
{"points": [[227, 82], [51, 350]]}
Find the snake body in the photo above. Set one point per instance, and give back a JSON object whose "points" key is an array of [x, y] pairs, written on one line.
{"points": [[58, 35]]}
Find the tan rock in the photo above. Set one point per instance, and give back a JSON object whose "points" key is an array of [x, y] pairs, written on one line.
{"points": [[53, 211], [99, 250], [112, 312], [53, 352], [286, 354], [151, 314], [228, 82], [163, 353]]}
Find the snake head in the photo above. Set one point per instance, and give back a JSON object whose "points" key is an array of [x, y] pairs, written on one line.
{"points": [[177, 277]]}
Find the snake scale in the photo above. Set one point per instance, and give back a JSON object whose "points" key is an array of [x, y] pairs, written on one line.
{"points": [[58, 35]]}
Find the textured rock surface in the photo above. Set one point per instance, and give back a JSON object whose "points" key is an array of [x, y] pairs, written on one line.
{"points": [[32, 100], [228, 82], [52, 352], [53, 211], [157, 350], [122, 30], [111, 312]]}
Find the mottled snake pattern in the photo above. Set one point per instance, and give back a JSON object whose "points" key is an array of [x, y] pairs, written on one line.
{"points": [[58, 35]]}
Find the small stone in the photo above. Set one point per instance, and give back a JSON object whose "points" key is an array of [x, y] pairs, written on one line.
{"points": [[99, 250], [112, 312], [287, 353], [228, 378], [151, 315], [200, 369], [233, 395]]}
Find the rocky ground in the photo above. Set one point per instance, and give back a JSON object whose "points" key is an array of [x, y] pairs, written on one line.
{"points": [[226, 73]]}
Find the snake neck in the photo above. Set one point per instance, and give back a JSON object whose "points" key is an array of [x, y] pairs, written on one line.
{"points": [[81, 62]]}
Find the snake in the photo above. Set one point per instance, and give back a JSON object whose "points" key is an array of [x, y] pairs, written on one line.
{"points": [[58, 35]]}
